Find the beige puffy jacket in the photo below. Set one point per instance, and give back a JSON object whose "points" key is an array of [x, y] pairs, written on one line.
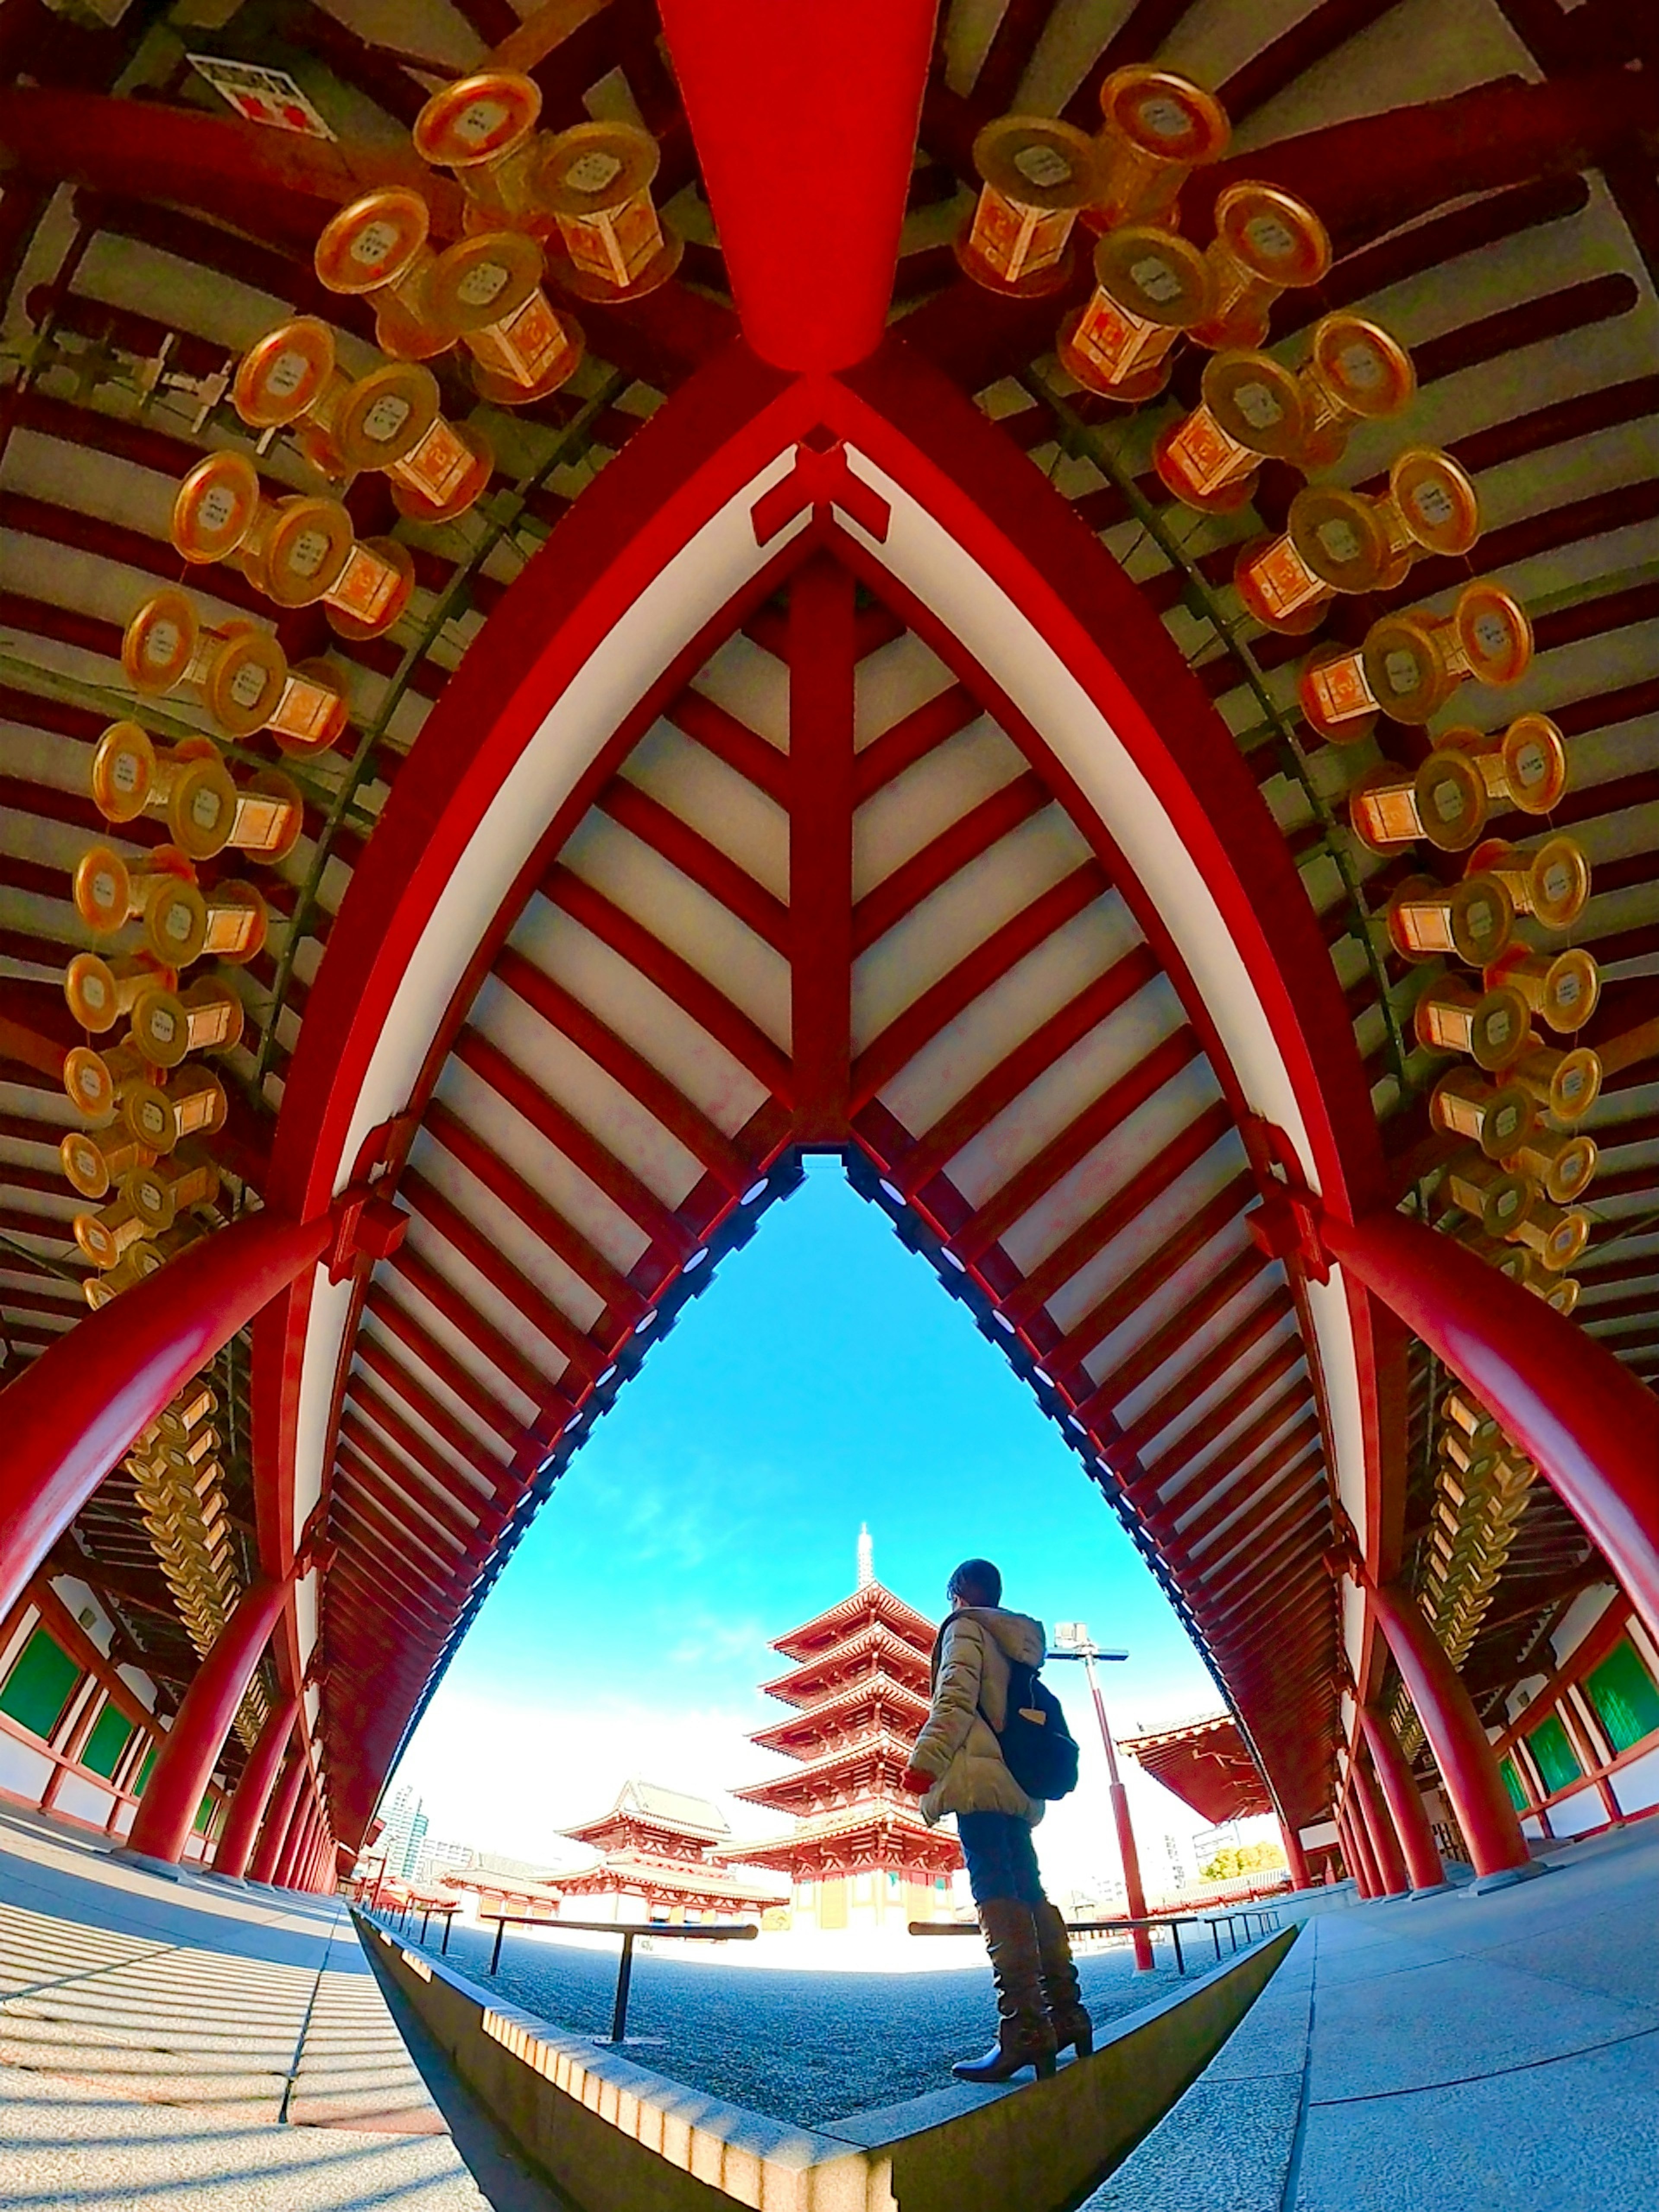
{"points": [[970, 1700]]}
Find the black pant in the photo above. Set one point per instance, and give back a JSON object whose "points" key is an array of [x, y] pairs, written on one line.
{"points": [[1001, 1859]]}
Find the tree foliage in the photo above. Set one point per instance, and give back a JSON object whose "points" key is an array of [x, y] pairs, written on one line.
{"points": [[1241, 1858]]}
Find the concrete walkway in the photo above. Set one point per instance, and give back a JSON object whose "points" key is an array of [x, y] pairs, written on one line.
{"points": [[1450, 2054], [195, 2044]]}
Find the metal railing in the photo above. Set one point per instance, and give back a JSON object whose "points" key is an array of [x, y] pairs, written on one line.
{"points": [[429, 1908], [1267, 1915], [743, 1932]]}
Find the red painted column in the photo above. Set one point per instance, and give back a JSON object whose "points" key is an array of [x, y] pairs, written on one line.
{"points": [[248, 1806], [274, 1834], [191, 1749], [1562, 1397], [1295, 1857], [1456, 1735], [1385, 1845], [1364, 1866], [68, 1419], [823, 661], [299, 1842], [1405, 1804]]}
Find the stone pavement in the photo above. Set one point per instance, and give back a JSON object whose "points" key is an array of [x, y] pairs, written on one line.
{"points": [[1447, 2054], [204, 2044]]}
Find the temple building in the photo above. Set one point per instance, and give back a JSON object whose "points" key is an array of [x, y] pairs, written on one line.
{"points": [[860, 1855], [659, 1855]]}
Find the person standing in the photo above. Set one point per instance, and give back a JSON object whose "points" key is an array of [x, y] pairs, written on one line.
{"points": [[958, 1767]]}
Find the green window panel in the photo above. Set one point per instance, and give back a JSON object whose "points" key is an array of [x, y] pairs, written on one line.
{"points": [[144, 1770], [112, 1733], [1552, 1749], [1625, 1697], [1513, 1784], [39, 1685], [204, 1814]]}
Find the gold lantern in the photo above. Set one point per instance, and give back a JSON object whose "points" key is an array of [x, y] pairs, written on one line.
{"points": [[1489, 1026], [1443, 799], [1471, 920], [297, 551], [1345, 542], [108, 1236], [1551, 883], [1524, 766], [1561, 988], [1156, 129], [99, 991], [98, 1082], [167, 1024], [1150, 286], [1555, 1234], [595, 181], [192, 1104], [483, 128], [1251, 410], [1566, 1083], [1489, 1194], [240, 671], [1410, 664], [1036, 177], [94, 1160], [160, 1191], [1267, 241], [1498, 1117], [1561, 1161]]}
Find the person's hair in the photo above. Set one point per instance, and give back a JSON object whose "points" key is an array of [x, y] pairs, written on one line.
{"points": [[977, 1582]]}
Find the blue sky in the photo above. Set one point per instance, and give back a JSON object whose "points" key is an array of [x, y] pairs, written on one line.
{"points": [[823, 1380]]}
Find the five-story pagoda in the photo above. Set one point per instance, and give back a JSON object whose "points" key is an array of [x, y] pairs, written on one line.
{"points": [[861, 1855]]}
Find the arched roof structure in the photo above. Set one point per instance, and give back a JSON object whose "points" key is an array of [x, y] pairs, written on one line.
{"points": [[810, 742]]}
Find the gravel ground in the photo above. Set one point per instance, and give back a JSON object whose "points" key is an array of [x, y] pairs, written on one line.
{"points": [[797, 2046]]}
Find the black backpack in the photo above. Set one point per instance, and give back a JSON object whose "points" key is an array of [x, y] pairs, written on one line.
{"points": [[1037, 1748]]}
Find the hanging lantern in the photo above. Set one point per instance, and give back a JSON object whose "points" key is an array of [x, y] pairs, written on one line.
{"points": [[188, 785], [94, 1160], [1554, 1235], [1566, 1083], [109, 892], [1474, 1420], [1346, 541], [238, 670], [595, 181], [1490, 1025], [1513, 1261], [108, 1236], [196, 1403], [1355, 372], [97, 1081], [1157, 128], [1562, 1161], [389, 420], [1562, 1294], [1252, 410], [194, 1105], [1036, 177], [1444, 800], [1498, 1201], [1552, 883], [296, 551], [1561, 988], [1497, 1118], [1524, 766], [1150, 286], [1410, 664], [1472, 920], [159, 1192], [483, 128], [167, 1025], [101, 991], [484, 290], [1267, 241]]}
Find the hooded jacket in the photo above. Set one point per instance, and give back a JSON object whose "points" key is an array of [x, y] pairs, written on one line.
{"points": [[958, 1744]]}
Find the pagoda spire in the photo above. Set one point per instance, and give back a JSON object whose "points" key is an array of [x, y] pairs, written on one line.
{"points": [[866, 1557]]}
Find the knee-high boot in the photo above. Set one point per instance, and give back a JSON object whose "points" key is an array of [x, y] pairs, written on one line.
{"points": [[1023, 2035], [1062, 1993]]}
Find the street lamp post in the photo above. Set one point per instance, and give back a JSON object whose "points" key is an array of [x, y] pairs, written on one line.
{"points": [[1072, 1641]]}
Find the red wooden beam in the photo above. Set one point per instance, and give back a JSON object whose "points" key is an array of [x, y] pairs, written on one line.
{"points": [[822, 663], [910, 739], [478, 1399], [1314, 36], [1033, 1056], [1210, 1370], [549, 1321], [496, 1477], [969, 836], [522, 1371], [578, 1146], [1097, 1122], [429, 1476], [430, 1555], [906, 1034], [696, 858], [1180, 1456], [617, 1295], [675, 977], [1175, 1334], [1285, 1447], [743, 750], [1109, 1312]]}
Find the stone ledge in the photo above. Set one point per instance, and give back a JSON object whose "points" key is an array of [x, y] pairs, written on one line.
{"points": [[618, 2137]]}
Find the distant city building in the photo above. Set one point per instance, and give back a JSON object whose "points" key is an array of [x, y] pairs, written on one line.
{"points": [[436, 1857], [404, 1824], [860, 1854], [659, 1860]]}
